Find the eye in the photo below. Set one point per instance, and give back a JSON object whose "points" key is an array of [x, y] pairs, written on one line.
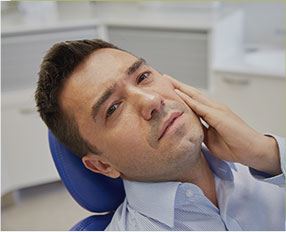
{"points": [[142, 77], [111, 109]]}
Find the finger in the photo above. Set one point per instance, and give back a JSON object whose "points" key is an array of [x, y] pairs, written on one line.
{"points": [[198, 107], [209, 114], [193, 92], [216, 144], [189, 90], [202, 99]]}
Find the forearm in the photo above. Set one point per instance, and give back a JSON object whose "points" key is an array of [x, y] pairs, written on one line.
{"points": [[266, 156]]}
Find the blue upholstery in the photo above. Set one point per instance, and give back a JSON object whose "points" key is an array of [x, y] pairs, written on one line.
{"points": [[94, 192], [91, 223]]}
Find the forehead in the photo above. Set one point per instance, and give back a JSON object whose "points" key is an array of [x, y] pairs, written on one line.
{"points": [[105, 64], [99, 70]]}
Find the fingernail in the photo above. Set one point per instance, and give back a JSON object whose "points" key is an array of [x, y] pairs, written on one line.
{"points": [[177, 91]]}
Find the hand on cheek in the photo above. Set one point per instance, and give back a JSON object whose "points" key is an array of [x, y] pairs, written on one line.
{"points": [[228, 136]]}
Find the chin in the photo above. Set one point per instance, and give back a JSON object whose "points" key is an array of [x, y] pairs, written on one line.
{"points": [[192, 143]]}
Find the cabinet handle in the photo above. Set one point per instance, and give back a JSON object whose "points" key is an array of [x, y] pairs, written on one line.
{"points": [[235, 81], [27, 111]]}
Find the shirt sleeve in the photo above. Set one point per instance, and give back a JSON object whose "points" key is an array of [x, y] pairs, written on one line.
{"points": [[278, 179]]}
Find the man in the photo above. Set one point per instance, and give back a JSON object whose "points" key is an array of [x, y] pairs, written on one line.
{"points": [[125, 119]]}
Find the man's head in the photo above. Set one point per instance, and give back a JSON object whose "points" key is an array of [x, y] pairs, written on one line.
{"points": [[121, 116]]}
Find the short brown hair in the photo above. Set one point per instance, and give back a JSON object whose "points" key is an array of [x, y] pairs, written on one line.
{"points": [[57, 65]]}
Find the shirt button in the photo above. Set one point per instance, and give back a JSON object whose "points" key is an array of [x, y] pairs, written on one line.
{"points": [[189, 193]]}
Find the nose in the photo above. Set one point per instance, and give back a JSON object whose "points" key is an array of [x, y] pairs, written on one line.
{"points": [[148, 102]]}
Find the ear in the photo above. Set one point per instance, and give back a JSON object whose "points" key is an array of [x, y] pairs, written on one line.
{"points": [[98, 164]]}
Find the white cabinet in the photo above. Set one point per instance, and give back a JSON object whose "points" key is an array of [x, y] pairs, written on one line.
{"points": [[22, 54], [259, 100], [26, 159]]}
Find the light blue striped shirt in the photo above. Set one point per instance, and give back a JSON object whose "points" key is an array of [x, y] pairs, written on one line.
{"points": [[247, 199]]}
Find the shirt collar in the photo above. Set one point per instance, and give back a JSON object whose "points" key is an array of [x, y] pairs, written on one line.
{"points": [[153, 199], [157, 199], [219, 167]]}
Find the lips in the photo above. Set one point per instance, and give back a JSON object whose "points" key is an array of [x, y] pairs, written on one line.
{"points": [[168, 122]]}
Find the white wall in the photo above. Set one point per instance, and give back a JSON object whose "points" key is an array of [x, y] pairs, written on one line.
{"points": [[264, 22]]}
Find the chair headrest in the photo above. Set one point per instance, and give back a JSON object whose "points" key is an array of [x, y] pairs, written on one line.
{"points": [[94, 192]]}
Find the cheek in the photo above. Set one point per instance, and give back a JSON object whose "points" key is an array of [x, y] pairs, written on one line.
{"points": [[163, 83], [165, 88], [126, 140], [128, 152]]}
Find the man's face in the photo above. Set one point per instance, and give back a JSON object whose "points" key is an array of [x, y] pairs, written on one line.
{"points": [[131, 113]]}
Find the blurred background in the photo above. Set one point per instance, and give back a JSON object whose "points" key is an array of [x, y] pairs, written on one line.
{"points": [[233, 51]]}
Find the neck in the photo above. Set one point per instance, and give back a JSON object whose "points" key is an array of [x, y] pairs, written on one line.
{"points": [[201, 175]]}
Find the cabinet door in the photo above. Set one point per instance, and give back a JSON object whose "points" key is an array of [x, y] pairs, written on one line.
{"points": [[26, 159], [22, 55], [260, 101], [181, 54]]}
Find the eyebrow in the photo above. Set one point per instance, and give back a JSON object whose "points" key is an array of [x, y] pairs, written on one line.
{"points": [[110, 90], [135, 66]]}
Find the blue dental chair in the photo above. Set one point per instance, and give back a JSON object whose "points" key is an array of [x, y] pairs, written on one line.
{"points": [[94, 192]]}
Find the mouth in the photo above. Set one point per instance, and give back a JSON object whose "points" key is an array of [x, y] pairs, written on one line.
{"points": [[168, 123]]}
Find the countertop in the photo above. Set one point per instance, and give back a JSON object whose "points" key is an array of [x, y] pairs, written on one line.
{"points": [[267, 62]]}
